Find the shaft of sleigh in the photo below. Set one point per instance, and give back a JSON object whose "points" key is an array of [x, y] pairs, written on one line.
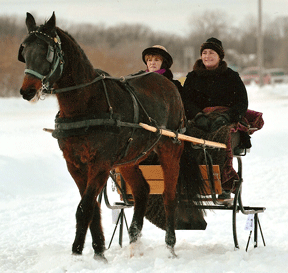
{"points": [[194, 140]]}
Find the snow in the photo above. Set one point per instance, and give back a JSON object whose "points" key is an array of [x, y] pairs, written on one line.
{"points": [[38, 201]]}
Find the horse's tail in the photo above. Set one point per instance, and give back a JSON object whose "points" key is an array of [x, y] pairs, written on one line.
{"points": [[190, 186], [189, 214]]}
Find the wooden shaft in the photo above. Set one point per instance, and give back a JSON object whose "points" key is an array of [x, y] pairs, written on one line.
{"points": [[183, 137], [48, 130]]}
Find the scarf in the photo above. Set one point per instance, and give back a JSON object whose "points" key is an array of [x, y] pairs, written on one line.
{"points": [[160, 71]]}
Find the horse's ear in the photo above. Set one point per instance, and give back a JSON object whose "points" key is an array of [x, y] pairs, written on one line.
{"points": [[30, 22], [51, 22]]}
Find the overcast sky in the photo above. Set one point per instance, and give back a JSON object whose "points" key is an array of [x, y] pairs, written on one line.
{"points": [[160, 15]]}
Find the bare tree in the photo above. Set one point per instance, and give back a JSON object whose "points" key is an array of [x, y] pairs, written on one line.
{"points": [[211, 23]]}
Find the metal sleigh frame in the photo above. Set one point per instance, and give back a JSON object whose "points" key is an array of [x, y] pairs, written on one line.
{"points": [[235, 207]]}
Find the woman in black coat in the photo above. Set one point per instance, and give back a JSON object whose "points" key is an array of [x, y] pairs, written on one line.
{"points": [[211, 83], [214, 97]]}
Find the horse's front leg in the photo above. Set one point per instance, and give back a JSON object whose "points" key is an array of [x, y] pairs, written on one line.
{"points": [[140, 189], [83, 218], [98, 239], [80, 176], [88, 213]]}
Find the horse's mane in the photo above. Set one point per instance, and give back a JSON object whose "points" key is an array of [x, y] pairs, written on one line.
{"points": [[76, 53]]}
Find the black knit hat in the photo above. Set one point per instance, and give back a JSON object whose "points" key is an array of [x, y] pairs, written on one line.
{"points": [[215, 44], [158, 50]]}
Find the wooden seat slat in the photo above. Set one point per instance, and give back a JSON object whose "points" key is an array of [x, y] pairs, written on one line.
{"points": [[155, 178]]}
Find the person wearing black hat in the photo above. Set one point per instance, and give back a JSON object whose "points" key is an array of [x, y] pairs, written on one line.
{"points": [[211, 83], [214, 99], [157, 59]]}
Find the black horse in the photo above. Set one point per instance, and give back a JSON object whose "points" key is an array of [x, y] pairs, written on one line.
{"points": [[114, 107]]}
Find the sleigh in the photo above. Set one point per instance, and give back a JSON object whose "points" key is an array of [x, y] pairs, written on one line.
{"points": [[209, 197]]}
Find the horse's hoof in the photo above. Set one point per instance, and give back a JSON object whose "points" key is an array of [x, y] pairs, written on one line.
{"points": [[76, 254], [134, 233], [172, 252], [136, 249], [77, 249], [100, 257]]}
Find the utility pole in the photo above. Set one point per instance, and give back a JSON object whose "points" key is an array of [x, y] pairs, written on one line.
{"points": [[260, 43]]}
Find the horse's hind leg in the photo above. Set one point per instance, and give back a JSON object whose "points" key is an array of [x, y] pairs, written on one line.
{"points": [[169, 157], [140, 189]]}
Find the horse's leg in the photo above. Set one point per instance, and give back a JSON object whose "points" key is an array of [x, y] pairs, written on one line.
{"points": [[169, 156], [79, 174], [98, 239], [83, 218], [88, 212], [140, 190]]}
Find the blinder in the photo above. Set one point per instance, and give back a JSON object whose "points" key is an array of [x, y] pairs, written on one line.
{"points": [[20, 56], [50, 54], [49, 57]]}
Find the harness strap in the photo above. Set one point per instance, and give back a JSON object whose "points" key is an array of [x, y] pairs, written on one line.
{"points": [[136, 116], [107, 99], [100, 77], [143, 153], [34, 73], [94, 122]]}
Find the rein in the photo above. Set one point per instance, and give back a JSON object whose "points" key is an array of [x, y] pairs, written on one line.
{"points": [[100, 77]]}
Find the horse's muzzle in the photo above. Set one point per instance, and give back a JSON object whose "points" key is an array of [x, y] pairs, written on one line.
{"points": [[28, 94]]}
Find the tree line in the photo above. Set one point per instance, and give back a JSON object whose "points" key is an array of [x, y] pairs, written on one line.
{"points": [[118, 49]]}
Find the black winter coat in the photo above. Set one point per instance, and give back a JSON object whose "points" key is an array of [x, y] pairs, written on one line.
{"points": [[219, 87], [168, 74]]}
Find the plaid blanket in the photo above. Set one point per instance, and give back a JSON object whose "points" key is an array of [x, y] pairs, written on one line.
{"points": [[249, 124]]}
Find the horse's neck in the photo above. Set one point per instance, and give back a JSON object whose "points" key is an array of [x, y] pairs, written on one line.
{"points": [[77, 70]]}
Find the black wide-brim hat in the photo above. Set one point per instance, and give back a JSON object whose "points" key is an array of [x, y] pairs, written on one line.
{"points": [[158, 50]]}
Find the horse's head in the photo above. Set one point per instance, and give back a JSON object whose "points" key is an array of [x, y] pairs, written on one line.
{"points": [[42, 54]]}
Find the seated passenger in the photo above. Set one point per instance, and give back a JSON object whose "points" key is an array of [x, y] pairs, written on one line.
{"points": [[211, 83], [158, 60], [215, 100]]}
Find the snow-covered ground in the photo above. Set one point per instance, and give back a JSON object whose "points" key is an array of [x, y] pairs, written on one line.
{"points": [[38, 200]]}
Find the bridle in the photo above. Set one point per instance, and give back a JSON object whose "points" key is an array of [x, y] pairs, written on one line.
{"points": [[55, 57]]}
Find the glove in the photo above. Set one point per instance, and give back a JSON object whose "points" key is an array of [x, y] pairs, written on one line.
{"points": [[202, 122], [219, 122]]}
